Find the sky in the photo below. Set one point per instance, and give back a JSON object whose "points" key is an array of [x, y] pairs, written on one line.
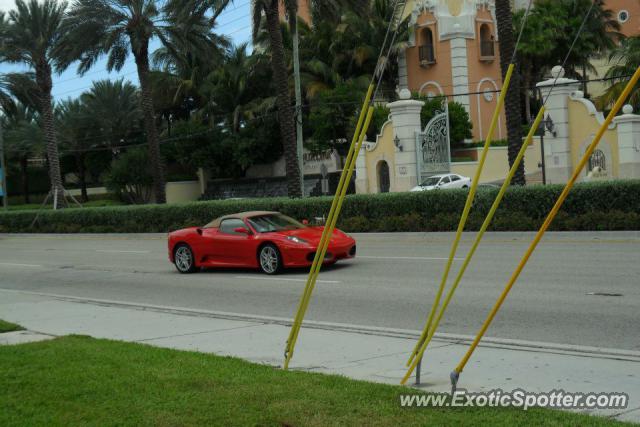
{"points": [[235, 22]]}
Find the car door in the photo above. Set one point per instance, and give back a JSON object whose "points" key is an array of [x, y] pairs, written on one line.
{"points": [[456, 181], [232, 247], [445, 182]]}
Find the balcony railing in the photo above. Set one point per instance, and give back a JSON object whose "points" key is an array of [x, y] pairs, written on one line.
{"points": [[427, 55], [487, 49]]}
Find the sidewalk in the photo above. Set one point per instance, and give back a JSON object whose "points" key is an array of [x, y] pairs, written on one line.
{"points": [[372, 354]]}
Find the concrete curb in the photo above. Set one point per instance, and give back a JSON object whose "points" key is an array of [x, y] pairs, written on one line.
{"points": [[490, 342]]}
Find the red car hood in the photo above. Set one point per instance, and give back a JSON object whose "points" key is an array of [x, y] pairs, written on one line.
{"points": [[313, 235]]}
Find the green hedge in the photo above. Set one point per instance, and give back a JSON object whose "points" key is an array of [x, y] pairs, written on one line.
{"points": [[613, 205]]}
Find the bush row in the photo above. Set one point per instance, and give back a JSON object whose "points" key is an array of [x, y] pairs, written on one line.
{"points": [[613, 205]]}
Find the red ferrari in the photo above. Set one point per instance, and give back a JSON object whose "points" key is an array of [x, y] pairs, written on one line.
{"points": [[269, 241]]}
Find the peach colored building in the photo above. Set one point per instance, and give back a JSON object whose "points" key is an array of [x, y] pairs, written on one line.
{"points": [[453, 51], [627, 13]]}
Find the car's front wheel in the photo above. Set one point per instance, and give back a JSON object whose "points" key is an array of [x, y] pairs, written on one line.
{"points": [[183, 259], [269, 259]]}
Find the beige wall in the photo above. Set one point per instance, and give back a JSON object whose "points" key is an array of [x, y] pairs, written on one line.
{"points": [[183, 191], [384, 150], [583, 125], [496, 166]]}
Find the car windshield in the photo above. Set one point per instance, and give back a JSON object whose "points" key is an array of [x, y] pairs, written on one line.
{"points": [[430, 181], [274, 222]]}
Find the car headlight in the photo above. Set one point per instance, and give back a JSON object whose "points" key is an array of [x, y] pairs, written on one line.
{"points": [[297, 240]]}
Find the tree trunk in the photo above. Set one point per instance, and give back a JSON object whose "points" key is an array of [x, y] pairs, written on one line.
{"points": [[43, 80], [512, 101], [24, 171], [82, 177], [157, 163], [285, 108]]}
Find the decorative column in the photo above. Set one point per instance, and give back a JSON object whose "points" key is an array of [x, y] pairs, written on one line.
{"points": [[405, 115], [362, 181], [628, 125], [557, 145], [460, 69]]}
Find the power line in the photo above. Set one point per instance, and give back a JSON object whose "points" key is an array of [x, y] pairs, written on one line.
{"points": [[223, 116]]}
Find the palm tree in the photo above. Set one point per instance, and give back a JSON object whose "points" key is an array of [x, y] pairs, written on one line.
{"points": [[271, 11], [599, 37], [75, 125], [361, 36], [624, 60], [19, 87], [117, 28], [114, 109], [23, 139], [180, 67], [512, 101], [179, 73], [230, 86], [29, 36]]}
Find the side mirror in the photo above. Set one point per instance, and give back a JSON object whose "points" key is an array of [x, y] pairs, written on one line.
{"points": [[242, 230], [199, 231], [305, 221]]}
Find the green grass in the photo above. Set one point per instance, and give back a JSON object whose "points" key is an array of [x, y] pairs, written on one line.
{"points": [[80, 381], [9, 327]]}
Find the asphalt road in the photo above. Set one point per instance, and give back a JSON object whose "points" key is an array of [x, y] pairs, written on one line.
{"points": [[391, 283]]}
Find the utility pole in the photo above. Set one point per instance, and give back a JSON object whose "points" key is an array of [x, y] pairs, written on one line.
{"points": [[3, 173], [296, 75]]}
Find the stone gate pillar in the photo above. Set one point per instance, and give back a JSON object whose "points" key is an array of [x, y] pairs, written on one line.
{"points": [[628, 125], [557, 145], [405, 115]]}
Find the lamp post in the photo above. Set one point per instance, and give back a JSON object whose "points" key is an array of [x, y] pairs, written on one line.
{"points": [[547, 125]]}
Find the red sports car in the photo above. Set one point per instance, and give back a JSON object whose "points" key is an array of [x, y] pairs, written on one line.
{"points": [[270, 241]]}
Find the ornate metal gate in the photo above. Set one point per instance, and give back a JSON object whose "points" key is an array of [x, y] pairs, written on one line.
{"points": [[432, 146]]}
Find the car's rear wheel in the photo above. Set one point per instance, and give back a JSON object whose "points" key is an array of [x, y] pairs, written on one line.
{"points": [[269, 259], [183, 259]]}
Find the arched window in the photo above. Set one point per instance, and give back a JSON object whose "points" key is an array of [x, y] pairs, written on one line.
{"points": [[597, 162], [384, 180], [427, 48], [487, 42]]}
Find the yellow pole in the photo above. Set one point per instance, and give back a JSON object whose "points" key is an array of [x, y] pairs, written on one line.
{"points": [[465, 211], [325, 233], [297, 319], [322, 247], [483, 229], [550, 217]]}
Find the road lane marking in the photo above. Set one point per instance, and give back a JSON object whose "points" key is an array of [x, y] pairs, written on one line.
{"points": [[280, 279], [113, 251], [14, 264], [420, 258]]}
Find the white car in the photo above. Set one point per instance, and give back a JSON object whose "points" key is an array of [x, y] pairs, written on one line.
{"points": [[450, 180]]}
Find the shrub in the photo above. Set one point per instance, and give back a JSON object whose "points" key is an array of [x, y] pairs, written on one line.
{"points": [[613, 205], [130, 176]]}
